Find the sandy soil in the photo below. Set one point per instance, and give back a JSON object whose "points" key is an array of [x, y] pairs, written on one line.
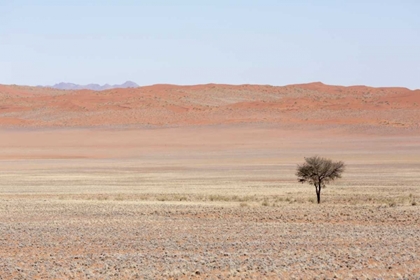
{"points": [[92, 190], [206, 202]]}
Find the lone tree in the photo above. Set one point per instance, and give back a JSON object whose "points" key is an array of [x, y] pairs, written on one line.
{"points": [[319, 171]]}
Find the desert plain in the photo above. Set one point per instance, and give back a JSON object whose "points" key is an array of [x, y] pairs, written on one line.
{"points": [[198, 182]]}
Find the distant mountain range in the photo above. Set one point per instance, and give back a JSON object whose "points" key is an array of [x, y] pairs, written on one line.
{"points": [[71, 86], [349, 108]]}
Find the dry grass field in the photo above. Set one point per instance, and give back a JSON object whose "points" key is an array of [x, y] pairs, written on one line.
{"points": [[212, 202]]}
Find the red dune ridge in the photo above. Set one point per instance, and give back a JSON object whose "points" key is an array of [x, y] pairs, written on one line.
{"points": [[160, 105]]}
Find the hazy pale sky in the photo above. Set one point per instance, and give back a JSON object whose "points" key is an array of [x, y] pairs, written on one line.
{"points": [[376, 43]]}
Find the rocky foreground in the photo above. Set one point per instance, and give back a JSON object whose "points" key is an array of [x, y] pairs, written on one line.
{"points": [[73, 239]]}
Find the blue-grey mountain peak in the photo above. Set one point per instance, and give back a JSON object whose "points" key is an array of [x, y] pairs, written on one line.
{"points": [[71, 86]]}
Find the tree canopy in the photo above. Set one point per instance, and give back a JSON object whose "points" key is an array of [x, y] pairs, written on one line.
{"points": [[319, 171]]}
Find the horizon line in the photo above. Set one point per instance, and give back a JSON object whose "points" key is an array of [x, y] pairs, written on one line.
{"points": [[212, 83]]}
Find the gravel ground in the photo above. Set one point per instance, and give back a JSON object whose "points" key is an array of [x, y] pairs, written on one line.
{"points": [[65, 239]]}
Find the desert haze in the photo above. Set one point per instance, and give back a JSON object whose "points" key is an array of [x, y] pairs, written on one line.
{"points": [[180, 182]]}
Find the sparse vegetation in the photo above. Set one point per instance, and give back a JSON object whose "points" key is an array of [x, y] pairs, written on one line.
{"points": [[412, 200]]}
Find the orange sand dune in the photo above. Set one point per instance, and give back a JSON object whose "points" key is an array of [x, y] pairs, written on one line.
{"points": [[161, 105]]}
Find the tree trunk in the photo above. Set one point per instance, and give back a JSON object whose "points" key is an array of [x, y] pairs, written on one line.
{"points": [[318, 193]]}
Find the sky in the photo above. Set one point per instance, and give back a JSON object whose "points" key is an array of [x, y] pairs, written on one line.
{"points": [[276, 42]]}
